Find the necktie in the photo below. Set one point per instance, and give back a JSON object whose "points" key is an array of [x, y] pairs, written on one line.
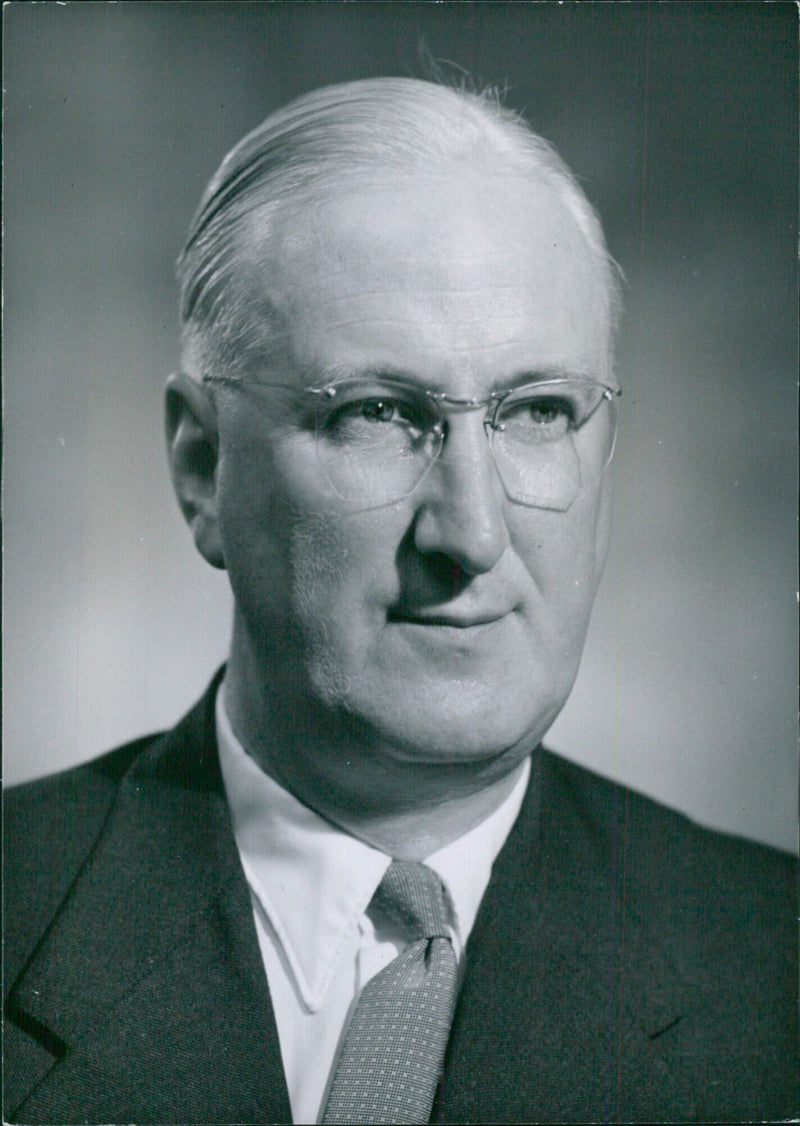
{"points": [[392, 1056]]}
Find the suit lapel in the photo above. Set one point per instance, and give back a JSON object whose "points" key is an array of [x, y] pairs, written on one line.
{"points": [[565, 992], [147, 999]]}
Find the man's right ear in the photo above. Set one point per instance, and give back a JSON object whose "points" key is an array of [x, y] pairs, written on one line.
{"points": [[193, 448]]}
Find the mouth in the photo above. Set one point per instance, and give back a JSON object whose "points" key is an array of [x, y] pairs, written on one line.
{"points": [[453, 620]]}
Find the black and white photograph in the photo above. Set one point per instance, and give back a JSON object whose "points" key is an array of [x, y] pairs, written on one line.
{"points": [[400, 620]]}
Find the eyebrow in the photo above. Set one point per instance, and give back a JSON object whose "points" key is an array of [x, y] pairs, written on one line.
{"points": [[338, 373]]}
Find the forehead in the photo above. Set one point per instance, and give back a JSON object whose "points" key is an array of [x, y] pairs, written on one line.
{"points": [[467, 277]]}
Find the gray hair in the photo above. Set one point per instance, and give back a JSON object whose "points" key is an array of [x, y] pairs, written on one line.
{"points": [[326, 136]]}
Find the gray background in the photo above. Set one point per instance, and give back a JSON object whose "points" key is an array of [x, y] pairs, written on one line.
{"points": [[681, 121]]}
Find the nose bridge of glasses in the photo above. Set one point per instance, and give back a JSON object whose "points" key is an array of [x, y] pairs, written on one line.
{"points": [[466, 460], [449, 404]]}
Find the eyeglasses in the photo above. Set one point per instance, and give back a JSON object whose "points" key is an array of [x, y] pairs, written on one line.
{"points": [[377, 439]]}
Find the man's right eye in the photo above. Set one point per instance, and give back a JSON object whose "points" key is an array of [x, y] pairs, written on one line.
{"points": [[364, 416], [381, 410]]}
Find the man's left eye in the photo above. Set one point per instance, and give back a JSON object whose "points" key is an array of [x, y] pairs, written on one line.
{"points": [[546, 412], [540, 417]]}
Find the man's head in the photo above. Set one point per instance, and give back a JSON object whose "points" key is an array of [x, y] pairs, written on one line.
{"points": [[333, 136], [407, 238]]}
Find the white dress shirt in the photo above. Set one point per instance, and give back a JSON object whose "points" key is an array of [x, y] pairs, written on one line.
{"points": [[311, 884]]}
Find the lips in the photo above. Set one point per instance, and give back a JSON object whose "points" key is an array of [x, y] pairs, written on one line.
{"points": [[455, 620]]}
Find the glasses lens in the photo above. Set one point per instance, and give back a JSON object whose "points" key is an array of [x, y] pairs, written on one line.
{"points": [[552, 441], [376, 441]]}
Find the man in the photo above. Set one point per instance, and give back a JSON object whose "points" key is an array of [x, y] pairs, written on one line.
{"points": [[350, 885]]}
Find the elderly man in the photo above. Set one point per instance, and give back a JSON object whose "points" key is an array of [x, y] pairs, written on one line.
{"points": [[350, 886]]}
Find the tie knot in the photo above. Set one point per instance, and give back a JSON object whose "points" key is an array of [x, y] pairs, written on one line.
{"points": [[413, 895]]}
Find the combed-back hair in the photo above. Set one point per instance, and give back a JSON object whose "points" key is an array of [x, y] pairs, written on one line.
{"points": [[326, 138]]}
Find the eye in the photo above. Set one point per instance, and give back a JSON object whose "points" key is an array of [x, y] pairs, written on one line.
{"points": [[536, 418], [358, 414], [380, 410], [551, 411], [376, 411]]}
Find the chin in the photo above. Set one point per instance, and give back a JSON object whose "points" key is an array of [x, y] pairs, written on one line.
{"points": [[463, 726], [416, 709]]}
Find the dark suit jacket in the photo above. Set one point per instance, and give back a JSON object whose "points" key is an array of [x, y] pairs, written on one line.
{"points": [[624, 964]]}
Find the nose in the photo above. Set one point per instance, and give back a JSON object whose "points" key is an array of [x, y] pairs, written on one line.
{"points": [[461, 502]]}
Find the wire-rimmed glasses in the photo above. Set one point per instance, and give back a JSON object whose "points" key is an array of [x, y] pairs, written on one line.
{"points": [[377, 439]]}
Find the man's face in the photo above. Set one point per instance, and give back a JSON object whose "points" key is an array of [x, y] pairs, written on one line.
{"points": [[449, 622]]}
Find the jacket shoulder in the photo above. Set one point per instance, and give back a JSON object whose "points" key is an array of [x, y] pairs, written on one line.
{"points": [[723, 908], [679, 866], [712, 913]]}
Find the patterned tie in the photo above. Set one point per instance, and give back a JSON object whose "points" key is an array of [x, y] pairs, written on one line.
{"points": [[392, 1056]]}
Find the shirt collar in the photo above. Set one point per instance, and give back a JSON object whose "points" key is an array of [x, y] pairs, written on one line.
{"points": [[285, 846]]}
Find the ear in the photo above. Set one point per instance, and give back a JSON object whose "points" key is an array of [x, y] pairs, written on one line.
{"points": [[193, 448]]}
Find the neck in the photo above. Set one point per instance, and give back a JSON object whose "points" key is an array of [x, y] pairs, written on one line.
{"points": [[353, 777]]}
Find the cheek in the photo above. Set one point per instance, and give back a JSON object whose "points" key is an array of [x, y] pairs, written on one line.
{"points": [[564, 555], [286, 566], [322, 575], [322, 557], [340, 579], [252, 539], [344, 571]]}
